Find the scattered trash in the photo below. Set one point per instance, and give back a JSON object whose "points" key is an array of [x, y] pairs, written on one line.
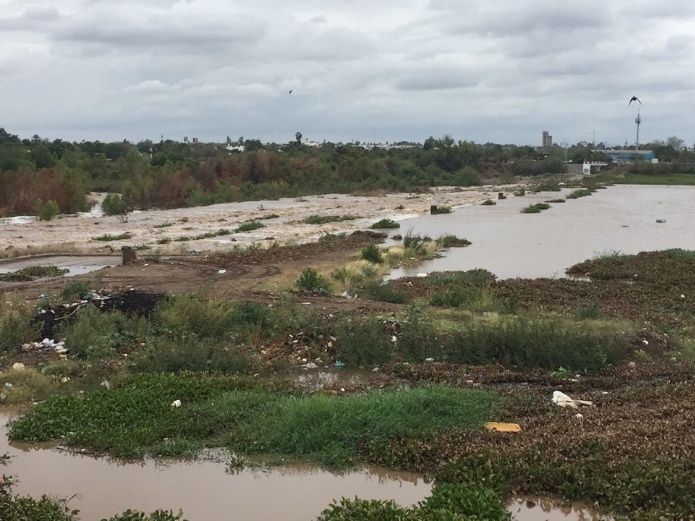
{"points": [[65, 379], [503, 427], [18, 366], [339, 364], [579, 416], [429, 359], [632, 365], [561, 399], [222, 272], [661, 221], [176, 403], [106, 385], [310, 365], [421, 275]]}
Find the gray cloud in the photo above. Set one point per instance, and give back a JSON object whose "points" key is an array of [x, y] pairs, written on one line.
{"points": [[489, 71]]}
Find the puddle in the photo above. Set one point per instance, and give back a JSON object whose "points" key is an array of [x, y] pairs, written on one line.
{"points": [[511, 244], [547, 509], [203, 489], [76, 265]]}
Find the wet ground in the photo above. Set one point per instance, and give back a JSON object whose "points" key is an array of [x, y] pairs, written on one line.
{"points": [[76, 265], [208, 490], [511, 244]]}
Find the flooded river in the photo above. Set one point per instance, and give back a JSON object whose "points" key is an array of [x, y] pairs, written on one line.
{"points": [[511, 244]]}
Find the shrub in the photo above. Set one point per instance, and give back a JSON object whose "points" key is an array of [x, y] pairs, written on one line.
{"points": [[158, 515], [95, 335], [364, 343], [415, 242], [452, 241], [47, 211], [31, 273], [311, 280], [467, 500], [372, 253], [436, 210], [535, 208], [108, 237], [376, 290], [555, 201], [74, 290], [364, 510], [114, 204], [529, 343], [249, 226], [16, 323], [488, 202], [168, 355], [385, 224], [471, 298], [325, 219], [582, 192]]}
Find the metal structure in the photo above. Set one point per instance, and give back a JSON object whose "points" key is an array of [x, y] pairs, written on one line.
{"points": [[638, 119]]}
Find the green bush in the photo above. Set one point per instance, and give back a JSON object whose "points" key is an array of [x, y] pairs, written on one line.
{"points": [[436, 210], [471, 298], [311, 280], [535, 208], [535, 343], [16, 323], [582, 192], [47, 211], [488, 202], [377, 290], [31, 273], [325, 219], [167, 355], [114, 204], [372, 253], [96, 335], [159, 515], [365, 510], [385, 224], [452, 241], [108, 237], [364, 343], [74, 290], [471, 502], [249, 226]]}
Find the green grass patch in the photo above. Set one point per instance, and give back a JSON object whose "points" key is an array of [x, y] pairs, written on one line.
{"points": [[108, 237], [31, 273], [17, 324], [656, 179], [137, 418], [325, 219], [249, 226], [385, 224], [555, 201], [535, 208]]}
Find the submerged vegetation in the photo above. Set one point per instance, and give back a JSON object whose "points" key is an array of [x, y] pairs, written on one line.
{"points": [[31, 273], [535, 208], [385, 224]]}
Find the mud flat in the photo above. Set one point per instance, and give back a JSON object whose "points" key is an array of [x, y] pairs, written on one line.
{"points": [[162, 230]]}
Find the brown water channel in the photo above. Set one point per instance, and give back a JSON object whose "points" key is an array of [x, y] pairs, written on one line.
{"points": [[206, 490], [511, 244]]}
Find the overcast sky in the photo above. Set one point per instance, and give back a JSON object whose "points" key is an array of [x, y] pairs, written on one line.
{"points": [[370, 70]]}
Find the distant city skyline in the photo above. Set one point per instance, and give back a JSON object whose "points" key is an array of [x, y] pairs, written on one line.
{"points": [[369, 71]]}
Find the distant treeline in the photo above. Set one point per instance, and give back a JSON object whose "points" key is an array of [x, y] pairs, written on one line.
{"points": [[171, 174]]}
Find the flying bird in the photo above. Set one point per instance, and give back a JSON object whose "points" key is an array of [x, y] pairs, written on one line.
{"points": [[292, 90], [634, 98]]}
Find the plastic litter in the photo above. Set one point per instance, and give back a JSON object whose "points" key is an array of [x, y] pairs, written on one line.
{"points": [[339, 364], [176, 403], [503, 427], [561, 399], [18, 366]]}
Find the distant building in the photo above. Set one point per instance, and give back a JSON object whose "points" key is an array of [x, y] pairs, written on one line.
{"points": [[546, 140], [625, 155]]}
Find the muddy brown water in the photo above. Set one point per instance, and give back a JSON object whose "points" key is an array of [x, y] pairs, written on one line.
{"points": [[511, 244], [206, 491]]}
